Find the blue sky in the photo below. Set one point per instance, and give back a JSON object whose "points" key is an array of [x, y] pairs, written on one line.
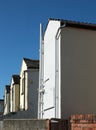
{"points": [[19, 29]]}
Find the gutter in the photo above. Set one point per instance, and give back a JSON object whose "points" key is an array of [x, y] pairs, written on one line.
{"points": [[57, 33]]}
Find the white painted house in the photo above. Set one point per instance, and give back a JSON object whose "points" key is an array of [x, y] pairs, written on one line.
{"points": [[7, 100], [15, 93], [68, 84], [29, 82]]}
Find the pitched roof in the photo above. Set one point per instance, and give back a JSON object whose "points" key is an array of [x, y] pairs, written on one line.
{"points": [[31, 64], [16, 79], [77, 24]]}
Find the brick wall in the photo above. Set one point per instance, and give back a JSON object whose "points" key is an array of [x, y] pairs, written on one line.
{"points": [[77, 122], [83, 122]]}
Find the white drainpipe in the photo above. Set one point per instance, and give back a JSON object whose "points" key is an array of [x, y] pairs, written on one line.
{"points": [[58, 70], [41, 75]]}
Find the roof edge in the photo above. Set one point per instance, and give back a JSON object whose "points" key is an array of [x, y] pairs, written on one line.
{"points": [[76, 24]]}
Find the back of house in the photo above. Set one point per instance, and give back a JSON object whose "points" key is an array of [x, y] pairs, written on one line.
{"points": [[69, 69]]}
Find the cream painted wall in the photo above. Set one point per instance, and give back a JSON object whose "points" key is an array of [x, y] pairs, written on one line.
{"points": [[23, 68], [17, 97], [14, 97], [78, 71]]}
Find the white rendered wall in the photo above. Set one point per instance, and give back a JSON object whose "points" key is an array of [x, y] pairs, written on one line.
{"points": [[11, 96], [58, 75], [49, 69]]}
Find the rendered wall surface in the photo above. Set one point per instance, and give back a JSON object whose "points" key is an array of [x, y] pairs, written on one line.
{"points": [[33, 84], [7, 103], [1, 125], [69, 71], [77, 122], [29, 84], [29, 124], [26, 124], [12, 96], [49, 69], [78, 71], [17, 97], [23, 68]]}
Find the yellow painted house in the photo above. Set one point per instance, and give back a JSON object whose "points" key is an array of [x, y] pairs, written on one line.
{"points": [[15, 93]]}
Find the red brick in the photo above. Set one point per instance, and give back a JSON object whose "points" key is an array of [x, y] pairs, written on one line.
{"points": [[83, 122]]}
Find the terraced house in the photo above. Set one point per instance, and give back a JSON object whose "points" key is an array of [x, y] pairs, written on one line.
{"points": [[7, 100], [68, 76], [29, 82], [15, 93]]}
